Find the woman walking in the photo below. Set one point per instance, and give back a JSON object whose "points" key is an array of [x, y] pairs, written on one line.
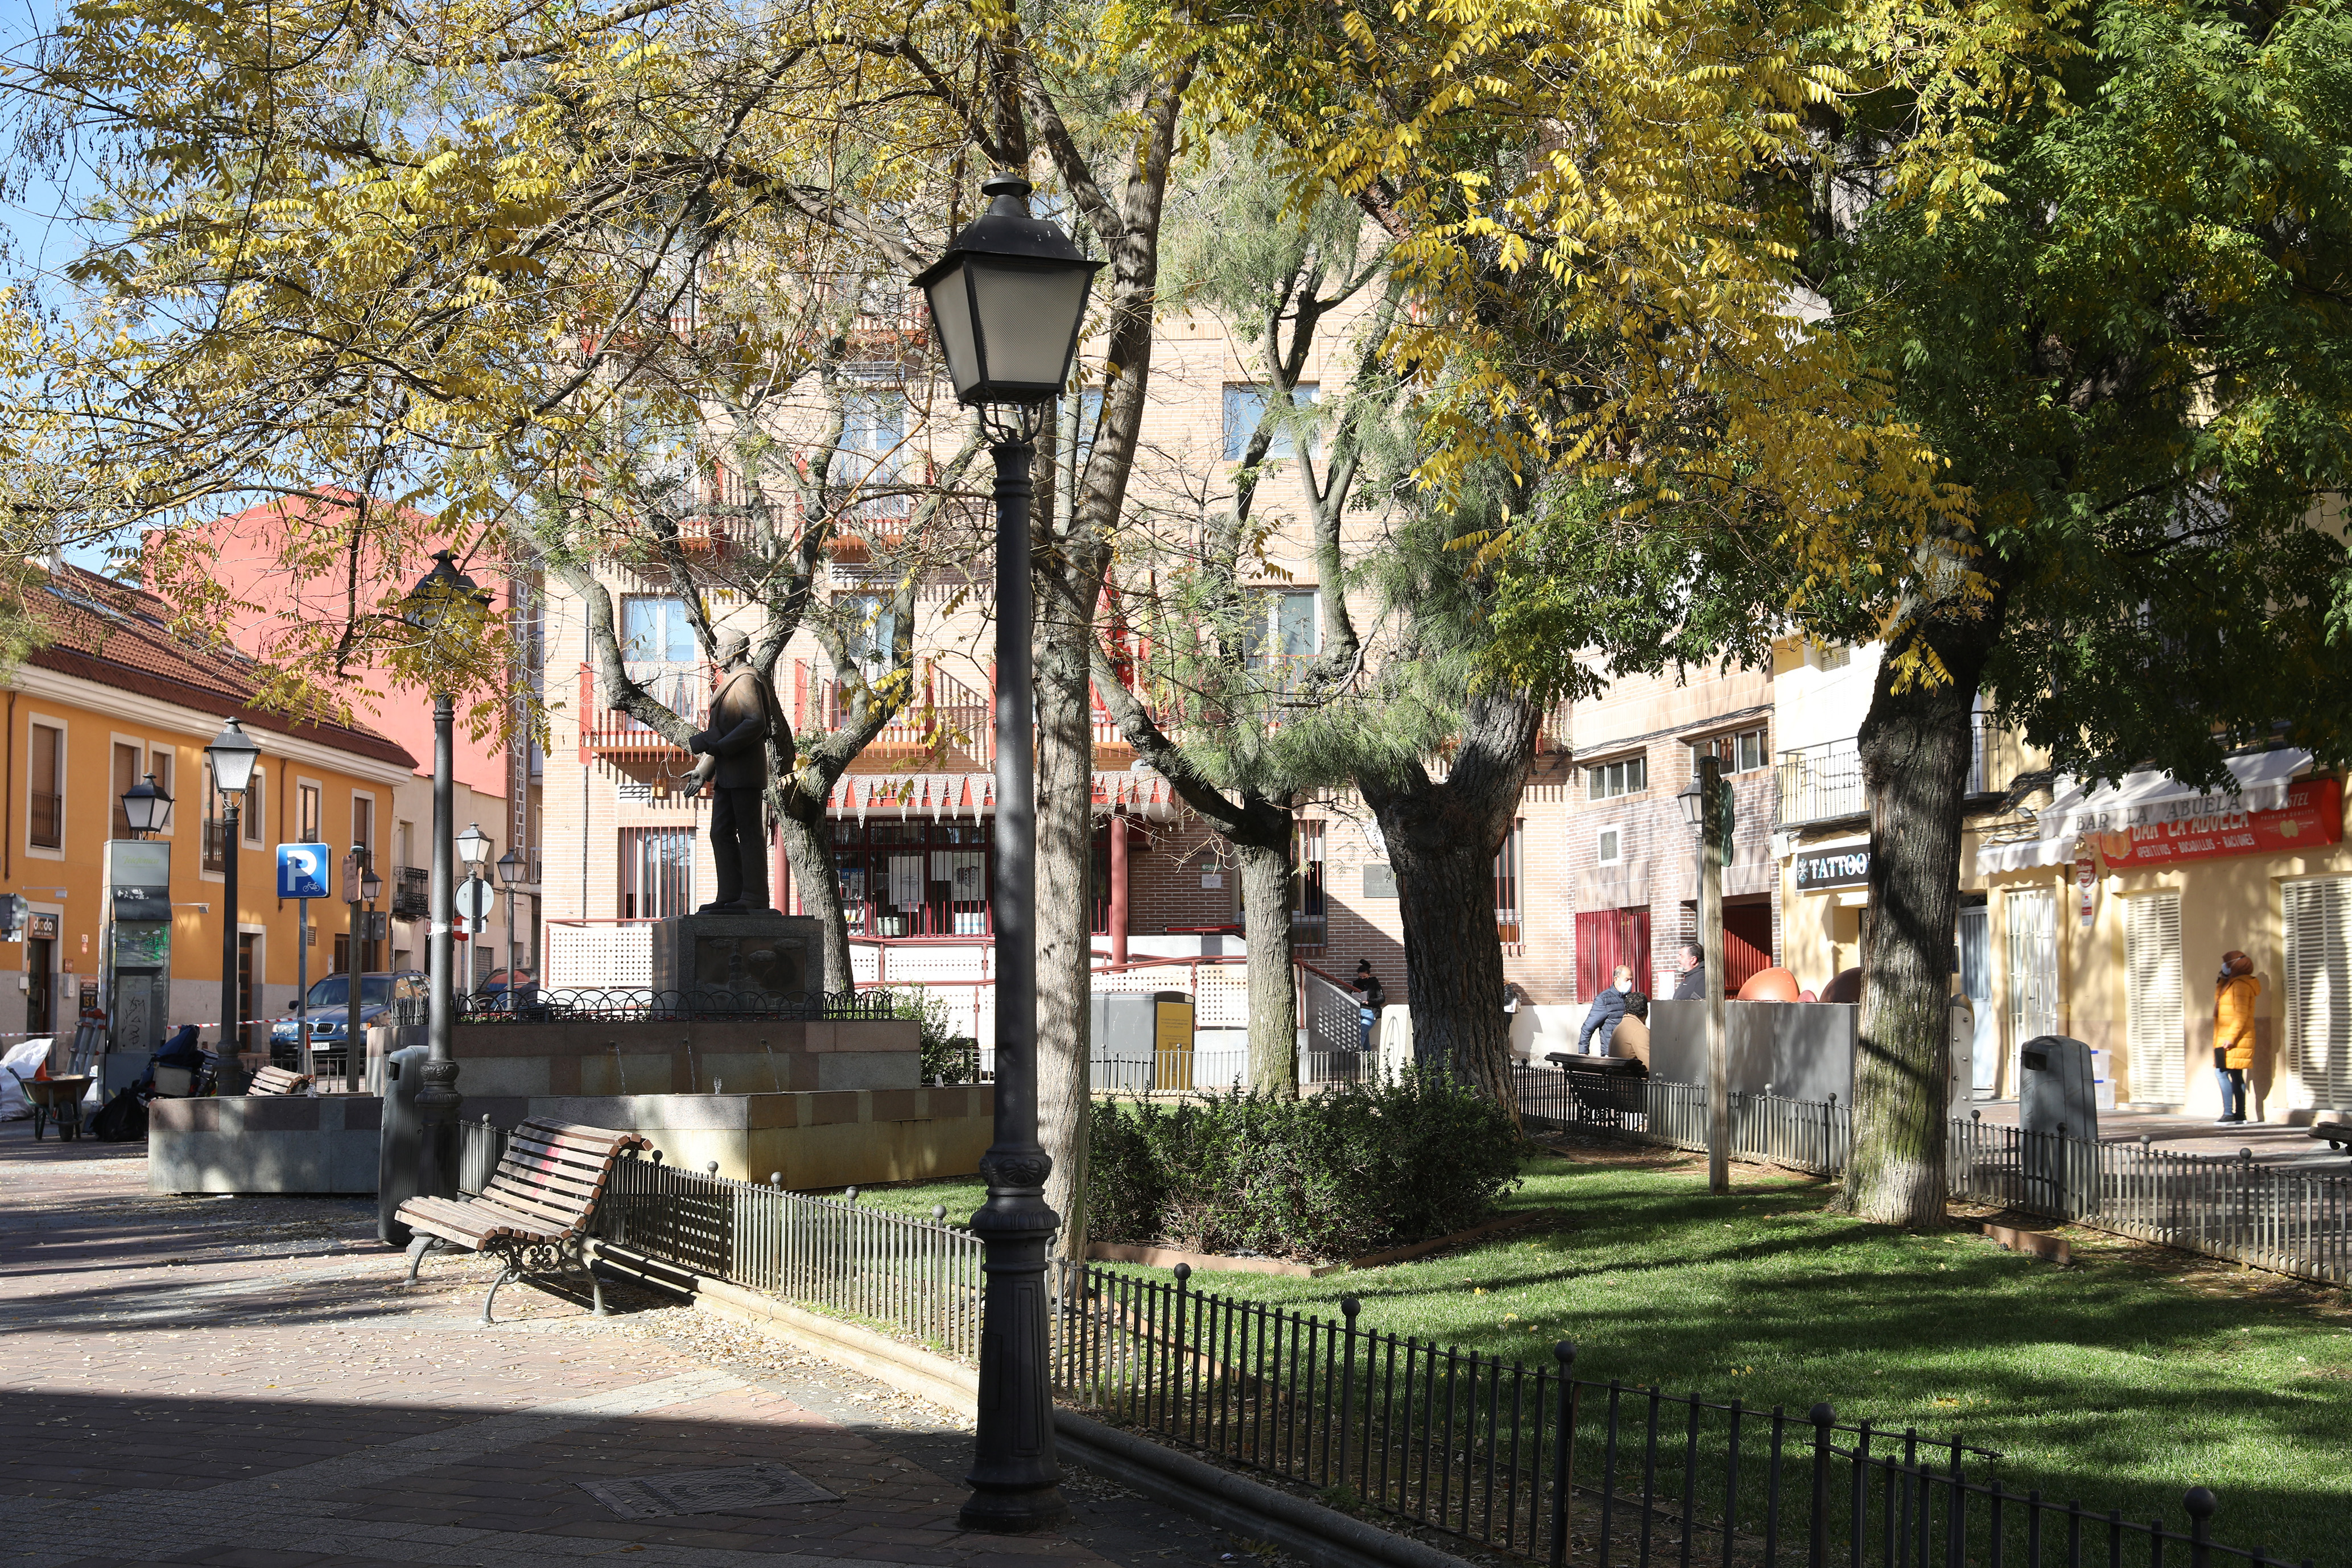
{"points": [[2233, 1031]]}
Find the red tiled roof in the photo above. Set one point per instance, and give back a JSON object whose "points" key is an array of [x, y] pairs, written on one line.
{"points": [[119, 636]]}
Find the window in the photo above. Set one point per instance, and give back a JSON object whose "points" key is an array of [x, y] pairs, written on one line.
{"points": [[363, 826], [404, 848], [873, 440], [1309, 913], [126, 774], [44, 799], [1246, 407], [158, 763], [1827, 656], [2032, 922], [1087, 409], [1609, 845], [1607, 780], [252, 818], [869, 628], [2319, 986], [2153, 1028], [306, 814], [1742, 752], [916, 879], [657, 872], [1289, 630], [654, 626], [215, 844], [1507, 884]]}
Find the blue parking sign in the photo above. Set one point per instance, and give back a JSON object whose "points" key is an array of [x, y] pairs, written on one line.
{"points": [[303, 870]]}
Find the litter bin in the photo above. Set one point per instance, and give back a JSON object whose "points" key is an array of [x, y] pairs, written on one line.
{"points": [[400, 1144]]}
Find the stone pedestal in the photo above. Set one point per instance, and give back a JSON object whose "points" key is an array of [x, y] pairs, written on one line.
{"points": [[753, 954]]}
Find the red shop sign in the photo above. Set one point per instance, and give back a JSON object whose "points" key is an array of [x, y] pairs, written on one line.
{"points": [[2311, 818]]}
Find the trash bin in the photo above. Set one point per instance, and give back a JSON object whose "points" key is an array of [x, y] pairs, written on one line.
{"points": [[400, 1144]]}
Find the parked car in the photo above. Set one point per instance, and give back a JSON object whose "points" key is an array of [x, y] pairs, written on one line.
{"points": [[380, 995]]}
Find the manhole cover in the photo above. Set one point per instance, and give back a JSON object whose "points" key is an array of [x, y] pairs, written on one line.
{"points": [[706, 1491]]}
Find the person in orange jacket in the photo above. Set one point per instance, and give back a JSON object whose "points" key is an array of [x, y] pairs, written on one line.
{"points": [[2233, 1031]]}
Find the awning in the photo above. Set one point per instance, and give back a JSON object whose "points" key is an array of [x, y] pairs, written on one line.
{"points": [[973, 795], [2139, 801]]}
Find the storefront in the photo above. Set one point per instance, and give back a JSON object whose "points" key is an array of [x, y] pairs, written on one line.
{"points": [[2107, 912]]}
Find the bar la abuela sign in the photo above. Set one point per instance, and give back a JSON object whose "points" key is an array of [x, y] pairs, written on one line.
{"points": [[2311, 818]]}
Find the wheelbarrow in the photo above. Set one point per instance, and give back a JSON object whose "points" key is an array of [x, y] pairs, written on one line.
{"points": [[56, 1099]]}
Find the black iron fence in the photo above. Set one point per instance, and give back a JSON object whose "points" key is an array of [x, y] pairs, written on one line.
{"points": [[2293, 1221], [626, 1004], [1535, 1461]]}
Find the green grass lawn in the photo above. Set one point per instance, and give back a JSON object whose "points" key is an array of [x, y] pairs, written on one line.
{"points": [[2121, 1379]]}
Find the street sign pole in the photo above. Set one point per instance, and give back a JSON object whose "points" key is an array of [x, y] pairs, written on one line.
{"points": [[302, 988], [301, 877]]}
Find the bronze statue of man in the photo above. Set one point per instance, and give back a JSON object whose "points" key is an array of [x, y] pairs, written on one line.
{"points": [[734, 752]]}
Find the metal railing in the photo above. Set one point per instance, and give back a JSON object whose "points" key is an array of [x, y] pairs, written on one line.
{"points": [[915, 1276], [2290, 1221], [1803, 1134], [1521, 1459], [628, 1004], [45, 816], [412, 892], [1818, 784]]}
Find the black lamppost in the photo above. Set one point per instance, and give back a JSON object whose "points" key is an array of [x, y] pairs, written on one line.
{"points": [[146, 808], [1007, 301], [232, 755], [510, 866], [474, 849], [442, 602]]}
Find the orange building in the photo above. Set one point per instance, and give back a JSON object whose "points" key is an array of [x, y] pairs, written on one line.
{"points": [[112, 696]]}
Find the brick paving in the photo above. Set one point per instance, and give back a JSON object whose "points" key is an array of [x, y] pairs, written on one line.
{"points": [[247, 1382]]}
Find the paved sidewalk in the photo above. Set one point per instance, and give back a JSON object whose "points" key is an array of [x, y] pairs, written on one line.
{"points": [[2279, 1144], [247, 1382]]}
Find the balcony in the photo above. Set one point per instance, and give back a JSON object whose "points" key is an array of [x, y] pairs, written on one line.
{"points": [[412, 892], [1824, 782], [45, 819]]}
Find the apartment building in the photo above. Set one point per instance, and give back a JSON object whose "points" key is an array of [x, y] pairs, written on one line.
{"points": [[113, 696], [496, 778], [2098, 909]]}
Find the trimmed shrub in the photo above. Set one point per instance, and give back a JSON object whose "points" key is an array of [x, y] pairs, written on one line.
{"points": [[1357, 1169]]}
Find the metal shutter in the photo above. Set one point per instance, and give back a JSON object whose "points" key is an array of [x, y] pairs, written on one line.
{"points": [[2319, 986], [2153, 1029]]}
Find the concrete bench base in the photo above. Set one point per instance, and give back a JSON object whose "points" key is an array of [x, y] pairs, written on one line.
{"points": [[264, 1144]]}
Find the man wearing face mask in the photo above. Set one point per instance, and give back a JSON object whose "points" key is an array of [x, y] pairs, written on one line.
{"points": [[2234, 991], [1608, 1008]]}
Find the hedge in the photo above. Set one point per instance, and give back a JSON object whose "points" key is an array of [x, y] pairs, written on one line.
{"points": [[1356, 1169]]}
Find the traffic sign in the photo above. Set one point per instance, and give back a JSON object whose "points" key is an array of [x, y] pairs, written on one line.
{"points": [[474, 897], [303, 870]]}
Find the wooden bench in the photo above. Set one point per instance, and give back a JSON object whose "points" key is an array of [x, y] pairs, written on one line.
{"points": [[536, 1213], [279, 1080]]}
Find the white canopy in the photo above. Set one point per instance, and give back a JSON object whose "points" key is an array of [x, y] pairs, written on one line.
{"points": [[2141, 799]]}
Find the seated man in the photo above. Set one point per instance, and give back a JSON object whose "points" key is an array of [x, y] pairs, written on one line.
{"points": [[1608, 1007]]}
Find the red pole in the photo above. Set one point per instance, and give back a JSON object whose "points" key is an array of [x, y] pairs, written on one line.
{"points": [[1118, 921]]}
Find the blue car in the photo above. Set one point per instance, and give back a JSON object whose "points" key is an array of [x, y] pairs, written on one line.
{"points": [[379, 995]]}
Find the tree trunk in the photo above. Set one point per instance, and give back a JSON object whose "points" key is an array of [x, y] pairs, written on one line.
{"points": [[1442, 840], [808, 852], [1065, 760], [1914, 748], [1272, 990]]}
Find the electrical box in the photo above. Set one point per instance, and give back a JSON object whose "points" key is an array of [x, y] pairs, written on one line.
{"points": [[135, 951], [1142, 1041]]}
